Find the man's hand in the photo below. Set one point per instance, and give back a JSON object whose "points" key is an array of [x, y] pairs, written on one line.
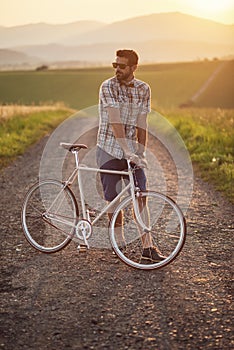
{"points": [[142, 159], [143, 162], [134, 158]]}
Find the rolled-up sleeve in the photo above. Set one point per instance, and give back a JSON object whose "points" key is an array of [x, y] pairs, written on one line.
{"points": [[146, 107], [108, 95]]}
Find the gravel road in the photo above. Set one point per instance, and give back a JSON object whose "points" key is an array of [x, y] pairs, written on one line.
{"points": [[72, 300]]}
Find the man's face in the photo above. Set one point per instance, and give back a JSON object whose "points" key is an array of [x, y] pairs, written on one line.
{"points": [[125, 73]]}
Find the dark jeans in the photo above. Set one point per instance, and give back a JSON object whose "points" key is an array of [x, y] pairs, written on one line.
{"points": [[112, 183]]}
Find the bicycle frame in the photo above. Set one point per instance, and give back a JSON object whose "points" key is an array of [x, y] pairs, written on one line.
{"points": [[134, 192]]}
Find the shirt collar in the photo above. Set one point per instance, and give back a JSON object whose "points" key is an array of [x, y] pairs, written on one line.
{"points": [[130, 84]]}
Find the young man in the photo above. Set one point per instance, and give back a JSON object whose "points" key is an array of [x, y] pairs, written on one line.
{"points": [[123, 107]]}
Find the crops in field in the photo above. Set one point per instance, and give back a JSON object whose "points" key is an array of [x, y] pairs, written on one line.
{"points": [[171, 84], [220, 93]]}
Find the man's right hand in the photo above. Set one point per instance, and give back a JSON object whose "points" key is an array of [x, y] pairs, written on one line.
{"points": [[134, 158], [143, 162]]}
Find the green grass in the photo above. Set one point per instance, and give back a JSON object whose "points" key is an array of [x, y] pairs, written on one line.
{"points": [[220, 93], [18, 132], [77, 89], [171, 84], [209, 137]]}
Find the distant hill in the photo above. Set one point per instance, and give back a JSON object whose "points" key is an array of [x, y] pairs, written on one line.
{"points": [[11, 57], [162, 37], [43, 33], [159, 26], [149, 51]]}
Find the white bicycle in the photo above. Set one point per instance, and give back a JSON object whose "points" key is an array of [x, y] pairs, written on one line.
{"points": [[51, 217]]}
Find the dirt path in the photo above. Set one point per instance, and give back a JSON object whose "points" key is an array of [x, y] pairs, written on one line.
{"points": [[93, 301]]}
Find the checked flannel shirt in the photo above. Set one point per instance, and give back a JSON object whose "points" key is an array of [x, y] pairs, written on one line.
{"points": [[133, 100]]}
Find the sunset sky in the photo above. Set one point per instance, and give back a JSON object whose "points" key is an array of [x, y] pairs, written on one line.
{"points": [[18, 12]]}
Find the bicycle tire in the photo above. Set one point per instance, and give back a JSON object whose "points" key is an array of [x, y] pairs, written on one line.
{"points": [[168, 231], [45, 234]]}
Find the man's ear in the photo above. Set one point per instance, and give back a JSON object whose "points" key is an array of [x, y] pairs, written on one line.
{"points": [[134, 67]]}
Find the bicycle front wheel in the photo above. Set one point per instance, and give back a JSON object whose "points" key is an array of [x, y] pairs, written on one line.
{"points": [[167, 230], [49, 214]]}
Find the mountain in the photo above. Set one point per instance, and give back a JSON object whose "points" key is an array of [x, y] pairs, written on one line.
{"points": [[149, 51], [157, 37], [43, 33], [161, 26], [11, 57]]}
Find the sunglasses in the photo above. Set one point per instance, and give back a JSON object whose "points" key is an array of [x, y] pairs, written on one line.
{"points": [[120, 65]]}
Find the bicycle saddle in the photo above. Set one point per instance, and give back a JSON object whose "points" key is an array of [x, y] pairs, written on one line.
{"points": [[73, 146]]}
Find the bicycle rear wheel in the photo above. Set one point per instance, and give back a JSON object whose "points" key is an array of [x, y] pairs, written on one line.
{"points": [[167, 230], [49, 214]]}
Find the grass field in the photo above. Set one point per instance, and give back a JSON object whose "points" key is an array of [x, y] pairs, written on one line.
{"points": [[209, 137], [207, 133], [220, 93], [171, 84], [22, 126]]}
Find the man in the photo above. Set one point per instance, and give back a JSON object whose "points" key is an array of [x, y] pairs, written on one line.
{"points": [[123, 107]]}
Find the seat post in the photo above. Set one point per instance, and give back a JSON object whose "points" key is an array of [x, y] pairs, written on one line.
{"points": [[76, 158]]}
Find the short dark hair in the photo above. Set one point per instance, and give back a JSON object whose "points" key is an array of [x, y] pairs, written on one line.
{"points": [[131, 55]]}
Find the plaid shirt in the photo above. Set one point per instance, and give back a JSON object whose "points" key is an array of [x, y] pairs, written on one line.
{"points": [[132, 99]]}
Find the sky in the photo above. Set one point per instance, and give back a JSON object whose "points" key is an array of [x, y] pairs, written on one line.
{"points": [[19, 12]]}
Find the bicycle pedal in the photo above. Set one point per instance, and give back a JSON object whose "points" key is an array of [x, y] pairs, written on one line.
{"points": [[82, 248]]}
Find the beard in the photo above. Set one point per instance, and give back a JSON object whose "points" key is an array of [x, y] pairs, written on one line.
{"points": [[122, 76]]}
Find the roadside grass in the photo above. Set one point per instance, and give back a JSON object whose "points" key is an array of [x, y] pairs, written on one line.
{"points": [[209, 137], [21, 126]]}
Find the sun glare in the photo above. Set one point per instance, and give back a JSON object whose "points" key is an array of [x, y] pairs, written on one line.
{"points": [[211, 6]]}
